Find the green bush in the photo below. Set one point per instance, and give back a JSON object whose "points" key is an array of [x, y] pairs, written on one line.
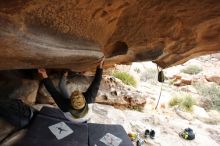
{"points": [[187, 103], [125, 78], [183, 101], [136, 108], [175, 101], [192, 69], [210, 91]]}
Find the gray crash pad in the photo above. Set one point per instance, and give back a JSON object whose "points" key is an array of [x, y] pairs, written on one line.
{"points": [[39, 132], [99, 131]]}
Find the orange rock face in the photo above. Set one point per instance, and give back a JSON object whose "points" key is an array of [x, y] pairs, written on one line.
{"points": [[76, 33]]}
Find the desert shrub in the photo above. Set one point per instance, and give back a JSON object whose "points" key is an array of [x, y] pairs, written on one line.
{"points": [[210, 91], [136, 108], [125, 77], [149, 74], [176, 100], [187, 102], [183, 101], [192, 69]]}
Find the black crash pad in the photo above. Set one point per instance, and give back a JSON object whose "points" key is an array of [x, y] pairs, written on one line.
{"points": [[83, 134], [39, 134], [97, 131], [53, 113]]}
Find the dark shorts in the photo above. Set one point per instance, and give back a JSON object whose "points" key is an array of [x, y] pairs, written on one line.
{"points": [[16, 112]]}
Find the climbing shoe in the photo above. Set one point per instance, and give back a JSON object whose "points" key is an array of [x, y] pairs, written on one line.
{"points": [[187, 134], [152, 134], [146, 133]]}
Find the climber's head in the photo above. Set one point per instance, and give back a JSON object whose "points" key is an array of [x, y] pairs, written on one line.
{"points": [[77, 100]]}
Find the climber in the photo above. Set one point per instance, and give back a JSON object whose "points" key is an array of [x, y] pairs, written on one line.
{"points": [[75, 106]]}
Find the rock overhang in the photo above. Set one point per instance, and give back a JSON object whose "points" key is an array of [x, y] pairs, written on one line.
{"points": [[76, 34]]}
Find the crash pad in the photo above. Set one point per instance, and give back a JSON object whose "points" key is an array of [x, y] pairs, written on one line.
{"points": [[99, 132], [51, 128], [39, 132]]}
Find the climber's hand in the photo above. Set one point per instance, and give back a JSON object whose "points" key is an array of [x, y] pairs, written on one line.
{"points": [[102, 62], [65, 74], [43, 73]]}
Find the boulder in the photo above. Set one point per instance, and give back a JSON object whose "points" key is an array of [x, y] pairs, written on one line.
{"points": [[19, 84], [186, 80], [76, 34], [214, 117], [184, 115], [182, 79], [199, 113], [9, 131], [114, 92], [172, 72], [5, 128], [189, 89], [27, 91], [213, 78]]}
